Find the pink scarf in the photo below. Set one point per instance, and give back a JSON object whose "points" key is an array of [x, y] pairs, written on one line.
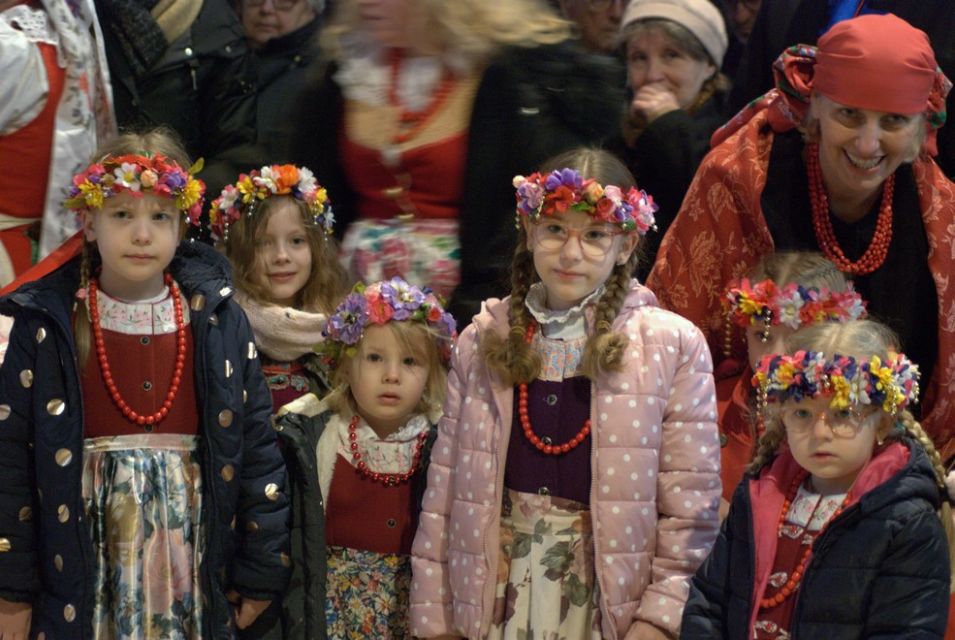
{"points": [[283, 334]]}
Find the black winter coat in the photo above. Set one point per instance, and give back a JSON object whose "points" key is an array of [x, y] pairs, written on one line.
{"points": [[41, 509], [531, 104], [302, 615], [879, 570]]}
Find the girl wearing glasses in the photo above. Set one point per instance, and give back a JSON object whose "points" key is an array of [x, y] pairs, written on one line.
{"points": [[575, 479], [836, 534]]}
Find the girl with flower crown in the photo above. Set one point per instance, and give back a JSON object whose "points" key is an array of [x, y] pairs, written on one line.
{"points": [[358, 460], [575, 480], [836, 531], [784, 291], [275, 225], [142, 483]]}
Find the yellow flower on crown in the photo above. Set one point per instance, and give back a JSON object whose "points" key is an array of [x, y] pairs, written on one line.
{"points": [[749, 306], [840, 392], [190, 195], [321, 197], [593, 191], [785, 373], [91, 194], [246, 188]]}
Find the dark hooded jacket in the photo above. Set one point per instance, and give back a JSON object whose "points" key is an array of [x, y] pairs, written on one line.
{"points": [[41, 508]]}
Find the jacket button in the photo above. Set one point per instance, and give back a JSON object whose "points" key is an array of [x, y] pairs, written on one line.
{"points": [[188, 51], [26, 514], [69, 613], [4, 411], [63, 513], [286, 561], [58, 562], [543, 491], [5, 545], [228, 472], [225, 418], [63, 457], [55, 407], [26, 378], [551, 399], [272, 491], [228, 369], [40, 335], [147, 385], [197, 302]]}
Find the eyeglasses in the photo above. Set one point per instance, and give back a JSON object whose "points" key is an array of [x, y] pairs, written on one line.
{"points": [[596, 241], [279, 5], [603, 5], [844, 423]]}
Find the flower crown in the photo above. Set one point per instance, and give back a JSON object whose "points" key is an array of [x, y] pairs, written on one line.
{"points": [[893, 385], [389, 301], [259, 184], [792, 305], [565, 190], [138, 174]]}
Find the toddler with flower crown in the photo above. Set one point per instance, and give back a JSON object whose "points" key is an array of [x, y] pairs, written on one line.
{"points": [[141, 478], [358, 460], [574, 483], [836, 531], [784, 291], [275, 225]]}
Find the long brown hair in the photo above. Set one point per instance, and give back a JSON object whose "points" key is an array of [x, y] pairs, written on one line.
{"points": [[326, 284], [511, 358]]}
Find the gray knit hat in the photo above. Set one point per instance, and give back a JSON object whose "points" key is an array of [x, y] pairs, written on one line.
{"points": [[699, 17]]}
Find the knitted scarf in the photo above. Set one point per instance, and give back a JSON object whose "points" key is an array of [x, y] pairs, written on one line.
{"points": [[283, 334]]}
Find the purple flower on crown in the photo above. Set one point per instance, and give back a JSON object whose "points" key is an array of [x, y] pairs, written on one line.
{"points": [[348, 324], [402, 297]]}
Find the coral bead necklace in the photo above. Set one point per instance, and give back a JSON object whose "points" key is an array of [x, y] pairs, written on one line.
{"points": [[549, 449], [878, 248], [387, 479], [410, 123], [797, 575], [145, 421]]}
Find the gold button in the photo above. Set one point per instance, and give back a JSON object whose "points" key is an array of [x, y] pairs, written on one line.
{"points": [[63, 457], [63, 513], [5, 545], [228, 369], [232, 524], [228, 472], [4, 411], [251, 526], [253, 352], [58, 562], [69, 613], [26, 514], [245, 397], [286, 561], [55, 407], [224, 291], [272, 491], [214, 320], [198, 302], [26, 378], [40, 335], [225, 418]]}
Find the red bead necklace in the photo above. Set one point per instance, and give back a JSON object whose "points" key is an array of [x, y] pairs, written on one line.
{"points": [[142, 420], [549, 449], [411, 122], [797, 575], [387, 479], [878, 249]]}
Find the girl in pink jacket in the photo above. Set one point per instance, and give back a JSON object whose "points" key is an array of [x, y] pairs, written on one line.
{"points": [[586, 519]]}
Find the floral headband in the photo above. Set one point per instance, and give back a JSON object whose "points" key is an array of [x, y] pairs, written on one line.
{"points": [[138, 174], [380, 303], [565, 190], [893, 385], [792, 305], [259, 184]]}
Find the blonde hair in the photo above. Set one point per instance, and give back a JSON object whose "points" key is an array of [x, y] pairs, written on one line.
{"points": [[326, 283], [860, 339], [510, 357], [161, 140], [421, 341], [474, 29], [806, 268]]}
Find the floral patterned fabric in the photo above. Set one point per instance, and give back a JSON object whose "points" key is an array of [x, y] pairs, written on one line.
{"points": [[426, 253], [545, 584], [367, 595], [143, 500]]}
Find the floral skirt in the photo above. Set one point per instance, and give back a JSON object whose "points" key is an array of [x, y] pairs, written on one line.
{"points": [[143, 499], [426, 253], [545, 583], [367, 595]]}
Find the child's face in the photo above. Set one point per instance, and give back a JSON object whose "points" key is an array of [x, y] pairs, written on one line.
{"points": [[386, 379], [831, 444], [756, 348], [284, 254], [573, 270], [137, 239]]}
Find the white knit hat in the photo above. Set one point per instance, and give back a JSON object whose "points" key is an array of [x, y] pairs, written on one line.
{"points": [[699, 17]]}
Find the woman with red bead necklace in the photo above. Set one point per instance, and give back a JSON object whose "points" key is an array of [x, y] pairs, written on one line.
{"points": [[575, 479], [358, 461], [142, 481], [836, 159], [837, 530]]}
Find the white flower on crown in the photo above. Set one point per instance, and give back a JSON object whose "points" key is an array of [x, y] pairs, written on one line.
{"points": [[127, 175], [789, 307], [306, 182], [266, 179]]}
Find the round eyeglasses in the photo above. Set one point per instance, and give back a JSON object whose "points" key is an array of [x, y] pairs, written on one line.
{"points": [[596, 241], [844, 423]]}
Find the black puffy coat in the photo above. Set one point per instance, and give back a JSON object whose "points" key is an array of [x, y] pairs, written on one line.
{"points": [[879, 570], [246, 524]]}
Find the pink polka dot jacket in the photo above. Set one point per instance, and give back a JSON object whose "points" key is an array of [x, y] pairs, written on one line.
{"points": [[655, 467]]}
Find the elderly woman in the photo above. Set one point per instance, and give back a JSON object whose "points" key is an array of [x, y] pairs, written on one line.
{"points": [[674, 49], [424, 112], [837, 160]]}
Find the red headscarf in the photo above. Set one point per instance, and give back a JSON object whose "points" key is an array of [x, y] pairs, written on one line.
{"points": [[877, 62]]}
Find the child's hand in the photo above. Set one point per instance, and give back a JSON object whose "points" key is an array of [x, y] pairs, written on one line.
{"points": [[246, 610], [15, 620], [646, 631]]}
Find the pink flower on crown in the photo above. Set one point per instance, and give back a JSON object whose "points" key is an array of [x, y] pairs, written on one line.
{"points": [[379, 311]]}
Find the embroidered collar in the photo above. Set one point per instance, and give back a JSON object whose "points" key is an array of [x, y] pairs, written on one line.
{"points": [[560, 324], [154, 316]]}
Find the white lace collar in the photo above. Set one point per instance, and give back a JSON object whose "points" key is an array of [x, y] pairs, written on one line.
{"points": [[391, 454], [562, 324], [154, 316]]}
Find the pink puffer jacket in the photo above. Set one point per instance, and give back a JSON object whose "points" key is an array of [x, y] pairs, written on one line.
{"points": [[655, 491]]}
